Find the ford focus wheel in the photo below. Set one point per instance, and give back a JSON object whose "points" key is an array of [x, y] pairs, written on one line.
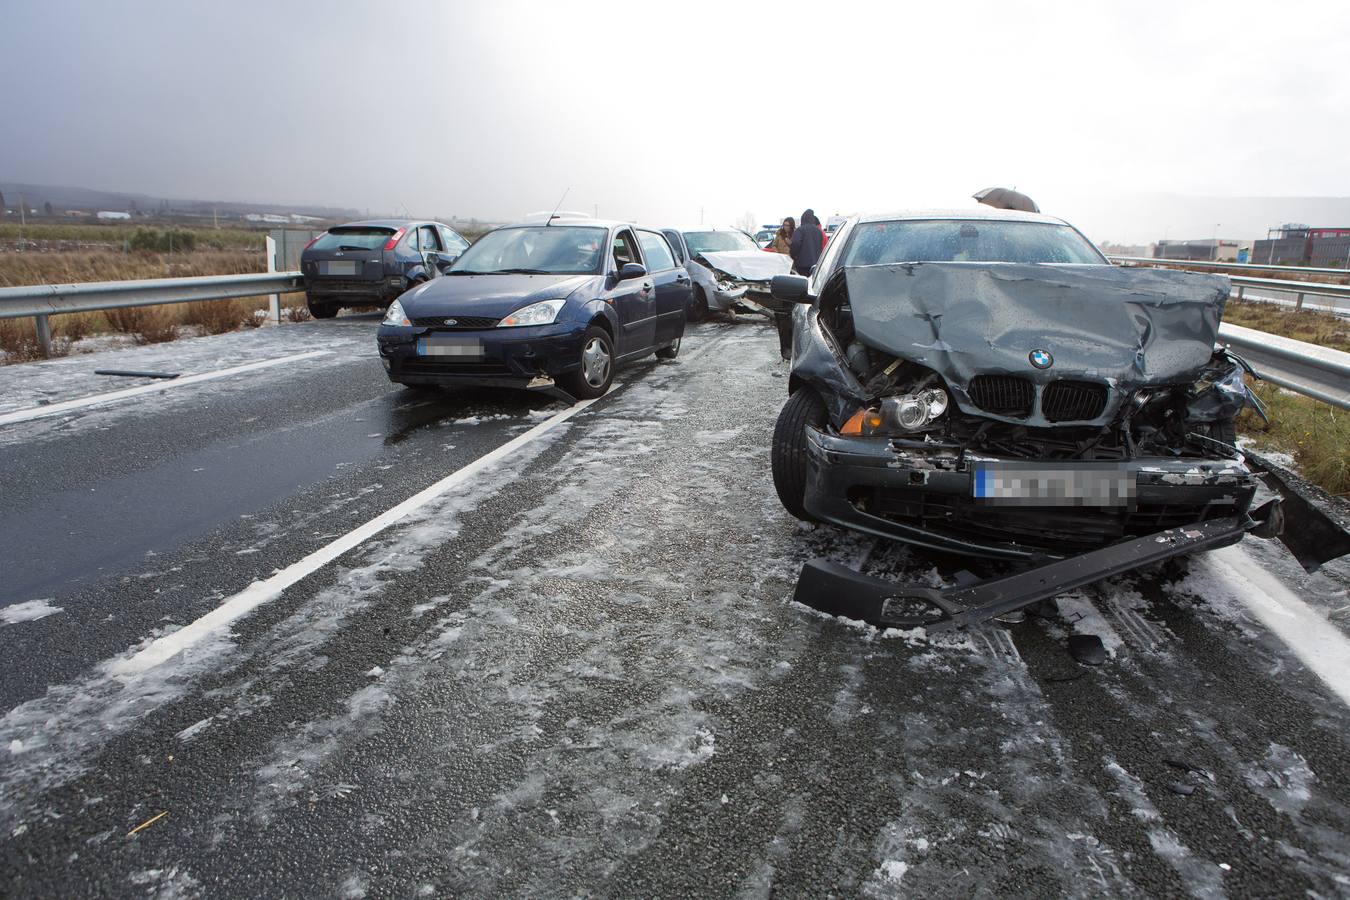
{"points": [[596, 372]]}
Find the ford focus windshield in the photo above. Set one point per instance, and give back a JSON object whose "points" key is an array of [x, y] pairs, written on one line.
{"points": [[882, 243], [543, 250], [717, 241]]}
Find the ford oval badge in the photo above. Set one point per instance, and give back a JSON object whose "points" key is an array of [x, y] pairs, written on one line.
{"points": [[452, 321], [1041, 359]]}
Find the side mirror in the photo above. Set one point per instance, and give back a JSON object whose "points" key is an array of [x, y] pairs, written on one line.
{"points": [[632, 270], [789, 288]]}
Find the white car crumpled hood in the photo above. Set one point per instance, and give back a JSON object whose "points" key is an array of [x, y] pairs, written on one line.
{"points": [[749, 265]]}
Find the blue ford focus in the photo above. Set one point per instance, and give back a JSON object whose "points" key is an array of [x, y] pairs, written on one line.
{"points": [[551, 307]]}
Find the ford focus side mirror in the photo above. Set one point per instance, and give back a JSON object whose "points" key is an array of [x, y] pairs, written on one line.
{"points": [[632, 270], [789, 288]]}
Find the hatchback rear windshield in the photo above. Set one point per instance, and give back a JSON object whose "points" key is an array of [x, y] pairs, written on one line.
{"points": [[542, 249], [717, 241], [353, 239], [948, 240]]}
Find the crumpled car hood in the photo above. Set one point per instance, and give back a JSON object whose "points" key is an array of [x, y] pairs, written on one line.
{"points": [[749, 265], [1127, 327]]}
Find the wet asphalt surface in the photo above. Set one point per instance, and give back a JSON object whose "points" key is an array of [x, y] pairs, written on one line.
{"points": [[580, 673]]}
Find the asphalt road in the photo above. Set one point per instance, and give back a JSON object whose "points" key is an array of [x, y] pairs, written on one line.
{"points": [[574, 668]]}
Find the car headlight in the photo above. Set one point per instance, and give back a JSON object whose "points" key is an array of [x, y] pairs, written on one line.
{"points": [[542, 313], [395, 315], [907, 412]]}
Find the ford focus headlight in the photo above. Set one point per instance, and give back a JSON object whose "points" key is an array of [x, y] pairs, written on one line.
{"points": [[542, 313], [395, 315]]}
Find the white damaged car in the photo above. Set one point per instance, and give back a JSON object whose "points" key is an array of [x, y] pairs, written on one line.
{"points": [[729, 270]]}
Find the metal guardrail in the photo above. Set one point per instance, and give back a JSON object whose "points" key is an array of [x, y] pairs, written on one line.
{"points": [[1299, 289], [43, 300], [1317, 372], [1225, 266]]}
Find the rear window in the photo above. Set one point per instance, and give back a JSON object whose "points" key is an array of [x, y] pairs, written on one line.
{"points": [[353, 239], [954, 240]]}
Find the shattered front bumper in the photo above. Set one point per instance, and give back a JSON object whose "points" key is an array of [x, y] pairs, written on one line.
{"points": [[926, 497]]}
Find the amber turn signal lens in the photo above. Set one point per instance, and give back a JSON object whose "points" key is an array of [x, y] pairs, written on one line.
{"points": [[864, 421]]}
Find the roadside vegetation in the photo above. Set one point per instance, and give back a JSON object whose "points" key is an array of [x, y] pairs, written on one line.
{"points": [[1316, 435], [115, 236], [1321, 328]]}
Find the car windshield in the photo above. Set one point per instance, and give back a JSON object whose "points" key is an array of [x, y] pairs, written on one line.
{"points": [[546, 250], [353, 239], [954, 240], [717, 241]]}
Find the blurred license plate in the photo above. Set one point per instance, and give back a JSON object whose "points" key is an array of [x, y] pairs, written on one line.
{"points": [[1040, 485], [339, 267], [466, 348]]}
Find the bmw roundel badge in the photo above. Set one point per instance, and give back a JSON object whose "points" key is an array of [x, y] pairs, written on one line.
{"points": [[1041, 359]]}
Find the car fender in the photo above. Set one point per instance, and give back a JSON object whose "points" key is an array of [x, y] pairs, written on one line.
{"points": [[815, 362], [419, 270], [587, 312]]}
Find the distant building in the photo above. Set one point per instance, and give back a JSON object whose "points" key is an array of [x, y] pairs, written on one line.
{"points": [[108, 215], [1212, 249], [1294, 244], [267, 217]]}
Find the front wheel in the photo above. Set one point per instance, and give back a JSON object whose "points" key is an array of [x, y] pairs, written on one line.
{"points": [[596, 372], [788, 454], [669, 351], [698, 309]]}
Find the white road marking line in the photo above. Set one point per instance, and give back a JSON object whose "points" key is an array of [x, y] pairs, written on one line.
{"points": [[52, 409], [260, 592], [1318, 643]]}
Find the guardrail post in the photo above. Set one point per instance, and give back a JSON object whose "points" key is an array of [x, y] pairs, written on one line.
{"points": [[44, 334], [1298, 304], [273, 300], [1240, 289]]}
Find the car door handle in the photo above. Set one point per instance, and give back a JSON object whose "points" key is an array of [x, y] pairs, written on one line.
{"points": [[646, 285], [682, 279]]}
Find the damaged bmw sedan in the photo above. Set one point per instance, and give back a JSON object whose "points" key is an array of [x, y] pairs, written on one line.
{"points": [[984, 382]]}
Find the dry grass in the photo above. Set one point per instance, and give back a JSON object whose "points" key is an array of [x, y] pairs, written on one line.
{"points": [[19, 343], [1316, 434], [66, 268], [147, 324], [216, 316], [79, 233], [1314, 327]]}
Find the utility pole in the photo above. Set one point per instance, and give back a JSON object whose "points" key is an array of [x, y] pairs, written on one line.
{"points": [[23, 219]]}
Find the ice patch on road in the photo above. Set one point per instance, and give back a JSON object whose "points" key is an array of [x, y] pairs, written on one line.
{"points": [[28, 611], [1285, 780]]}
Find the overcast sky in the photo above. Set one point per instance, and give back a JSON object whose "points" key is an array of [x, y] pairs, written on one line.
{"points": [[661, 112]]}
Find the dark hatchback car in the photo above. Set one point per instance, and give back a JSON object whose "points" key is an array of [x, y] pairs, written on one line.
{"points": [[986, 383], [371, 263], [547, 307]]}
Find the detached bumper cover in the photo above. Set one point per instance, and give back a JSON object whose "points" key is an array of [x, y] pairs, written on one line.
{"points": [[511, 357], [926, 497]]}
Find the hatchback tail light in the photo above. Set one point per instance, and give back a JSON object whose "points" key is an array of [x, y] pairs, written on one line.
{"points": [[389, 244], [315, 238]]}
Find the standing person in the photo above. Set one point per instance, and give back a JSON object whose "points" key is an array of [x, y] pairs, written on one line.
{"points": [[782, 241], [807, 242]]}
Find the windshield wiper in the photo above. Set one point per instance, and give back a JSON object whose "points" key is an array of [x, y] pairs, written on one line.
{"points": [[350, 247], [466, 272], [521, 272]]}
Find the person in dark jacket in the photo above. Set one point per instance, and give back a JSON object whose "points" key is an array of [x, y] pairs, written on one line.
{"points": [[807, 241]]}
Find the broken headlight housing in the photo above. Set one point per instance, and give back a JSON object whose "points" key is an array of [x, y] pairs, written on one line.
{"points": [[900, 414]]}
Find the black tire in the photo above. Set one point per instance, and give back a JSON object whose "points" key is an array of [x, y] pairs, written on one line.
{"points": [[321, 310], [670, 351], [788, 455], [698, 308], [589, 381]]}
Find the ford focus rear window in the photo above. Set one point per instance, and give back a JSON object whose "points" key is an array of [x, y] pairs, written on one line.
{"points": [[948, 240], [353, 239]]}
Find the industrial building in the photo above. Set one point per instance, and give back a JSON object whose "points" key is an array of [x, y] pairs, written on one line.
{"points": [[1293, 244], [1213, 249]]}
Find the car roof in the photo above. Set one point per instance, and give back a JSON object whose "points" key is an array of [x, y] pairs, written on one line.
{"points": [[979, 213], [702, 228], [573, 221]]}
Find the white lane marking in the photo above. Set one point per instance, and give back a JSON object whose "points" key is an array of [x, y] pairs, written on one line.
{"points": [[1319, 644], [260, 592], [52, 409]]}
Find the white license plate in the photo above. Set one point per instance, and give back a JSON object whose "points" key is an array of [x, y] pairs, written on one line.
{"points": [[339, 267], [466, 348], [1016, 484]]}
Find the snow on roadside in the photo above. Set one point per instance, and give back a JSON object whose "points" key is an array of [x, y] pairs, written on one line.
{"points": [[28, 611]]}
